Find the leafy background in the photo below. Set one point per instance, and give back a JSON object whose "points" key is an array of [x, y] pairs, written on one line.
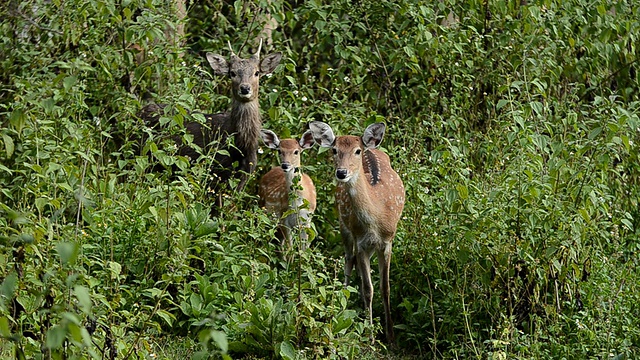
{"points": [[514, 125]]}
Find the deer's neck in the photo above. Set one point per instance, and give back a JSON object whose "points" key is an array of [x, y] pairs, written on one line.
{"points": [[290, 175], [289, 178], [361, 187], [246, 123]]}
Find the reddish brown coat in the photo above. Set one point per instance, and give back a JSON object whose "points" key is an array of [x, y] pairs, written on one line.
{"points": [[370, 198], [276, 186]]}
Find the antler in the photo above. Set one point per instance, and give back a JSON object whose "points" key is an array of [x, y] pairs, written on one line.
{"points": [[231, 49], [257, 54]]}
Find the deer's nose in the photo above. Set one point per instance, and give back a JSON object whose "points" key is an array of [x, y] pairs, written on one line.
{"points": [[341, 174], [285, 166], [245, 89]]}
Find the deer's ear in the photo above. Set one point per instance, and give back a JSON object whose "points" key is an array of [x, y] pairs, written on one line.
{"points": [[218, 64], [322, 133], [270, 62], [270, 139], [373, 135], [307, 140]]}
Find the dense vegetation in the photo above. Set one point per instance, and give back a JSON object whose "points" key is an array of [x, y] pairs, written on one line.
{"points": [[514, 126]]}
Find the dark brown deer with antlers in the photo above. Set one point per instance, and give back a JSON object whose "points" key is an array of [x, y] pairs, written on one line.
{"points": [[243, 122], [370, 199]]}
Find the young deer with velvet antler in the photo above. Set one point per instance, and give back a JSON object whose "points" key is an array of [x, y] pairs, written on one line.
{"points": [[243, 121], [276, 188], [370, 199]]}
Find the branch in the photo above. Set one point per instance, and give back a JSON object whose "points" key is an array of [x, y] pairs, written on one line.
{"points": [[17, 13]]}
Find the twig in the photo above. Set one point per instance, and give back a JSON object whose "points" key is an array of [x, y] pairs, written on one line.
{"points": [[155, 309], [384, 67], [18, 13]]}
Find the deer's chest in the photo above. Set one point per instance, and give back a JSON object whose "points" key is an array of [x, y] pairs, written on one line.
{"points": [[359, 217]]}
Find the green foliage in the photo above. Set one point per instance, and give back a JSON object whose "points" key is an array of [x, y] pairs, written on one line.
{"points": [[514, 127]]}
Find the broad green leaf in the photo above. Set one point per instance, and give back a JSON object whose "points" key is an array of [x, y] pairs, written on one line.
{"points": [[501, 103], [75, 332], [69, 82], [8, 144], [84, 299], [8, 287], [115, 269], [17, 119], [68, 252], [55, 337], [595, 132], [462, 191], [287, 351], [628, 224], [166, 316], [207, 228], [220, 339], [201, 355], [5, 329], [196, 301], [341, 324]]}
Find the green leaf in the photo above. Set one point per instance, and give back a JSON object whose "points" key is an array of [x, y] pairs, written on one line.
{"points": [[8, 144], [595, 132], [5, 330], [48, 104], [115, 269], [69, 82], [220, 339], [153, 292], [462, 191], [166, 316], [196, 301], [55, 337], [75, 332], [200, 355], [501, 103], [341, 324], [8, 287], [17, 119], [287, 351], [537, 107], [206, 228], [84, 299], [68, 252]]}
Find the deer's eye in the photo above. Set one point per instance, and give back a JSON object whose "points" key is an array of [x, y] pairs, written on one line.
{"points": [[233, 74], [296, 152], [358, 151], [257, 73]]}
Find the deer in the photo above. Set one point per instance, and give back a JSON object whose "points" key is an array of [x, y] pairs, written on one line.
{"points": [[370, 198], [277, 189], [242, 123]]}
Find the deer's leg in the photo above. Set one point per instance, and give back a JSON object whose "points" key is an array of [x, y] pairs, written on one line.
{"points": [[384, 263], [363, 259], [286, 238], [304, 223], [349, 256], [246, 168]]}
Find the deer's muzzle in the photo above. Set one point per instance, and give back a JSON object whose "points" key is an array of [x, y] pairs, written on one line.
{"points": [[341, 174]]}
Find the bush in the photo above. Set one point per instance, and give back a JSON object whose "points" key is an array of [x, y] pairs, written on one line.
{"points": [[513, 126]]}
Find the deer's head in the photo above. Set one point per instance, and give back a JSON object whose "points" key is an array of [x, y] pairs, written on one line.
{"points": [[244, 73], [288, 149], [348, 150]]}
